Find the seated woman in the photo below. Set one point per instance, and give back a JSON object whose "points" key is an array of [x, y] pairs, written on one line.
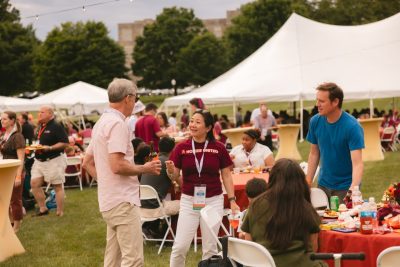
{"points": [[251, 153], [282, 219], [164, 124]]}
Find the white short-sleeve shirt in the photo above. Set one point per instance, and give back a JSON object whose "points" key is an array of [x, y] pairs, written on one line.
{"points": [[256, 157]]}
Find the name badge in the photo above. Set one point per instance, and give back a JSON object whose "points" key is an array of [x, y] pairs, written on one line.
{"points": [[199, 199]]}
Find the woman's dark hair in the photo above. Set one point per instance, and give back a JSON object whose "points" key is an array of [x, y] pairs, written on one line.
{"points": [[142, 154], [290, 211], [164, 117], [208, 121], [13, 116], [197, 102], [135, 143], [247, 117], [253, 133]]}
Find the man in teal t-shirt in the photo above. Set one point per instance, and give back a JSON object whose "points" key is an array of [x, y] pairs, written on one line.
{"points": [[336, 140]]}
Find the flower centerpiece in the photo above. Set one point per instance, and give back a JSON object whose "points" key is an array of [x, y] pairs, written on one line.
{"points": [[392, 194], [391, 209]]}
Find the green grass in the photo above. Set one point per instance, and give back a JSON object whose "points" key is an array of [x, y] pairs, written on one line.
{"points": [[78, 238]]}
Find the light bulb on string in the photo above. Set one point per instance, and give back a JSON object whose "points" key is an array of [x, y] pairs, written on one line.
{"points": [[83, 9], [36, 17]]}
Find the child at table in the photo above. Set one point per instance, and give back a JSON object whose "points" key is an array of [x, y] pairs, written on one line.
{"points": [[254, 188]]}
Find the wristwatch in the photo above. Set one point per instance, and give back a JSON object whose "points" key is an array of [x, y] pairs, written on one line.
{"points": [[232, 199]]}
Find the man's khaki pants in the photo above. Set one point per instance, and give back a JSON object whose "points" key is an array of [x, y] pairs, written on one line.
{"points": [[124, 236]]}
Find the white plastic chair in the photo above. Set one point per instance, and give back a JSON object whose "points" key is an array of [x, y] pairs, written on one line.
{"points": [[148, 192], [72, 161], [248, 253], [388, 136], [304, 167], [389, 257], [318, 198], [211, 218]]}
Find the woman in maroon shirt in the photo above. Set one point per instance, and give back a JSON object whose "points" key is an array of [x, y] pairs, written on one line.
{"points": [[201, 160], [12, 146]]}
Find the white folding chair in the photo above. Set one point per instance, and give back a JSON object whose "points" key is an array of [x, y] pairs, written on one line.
{"points": [[211, 218], [388, 136], [318, 198], [248, 253], [72, 161], [75, 161], [389, 257], [148, 192], [304, 167]]}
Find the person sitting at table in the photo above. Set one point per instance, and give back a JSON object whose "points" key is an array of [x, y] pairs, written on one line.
{"points": [[254, 188], [203, 161], [164, 124], [251, 153], [282, 219], [162, 184]]}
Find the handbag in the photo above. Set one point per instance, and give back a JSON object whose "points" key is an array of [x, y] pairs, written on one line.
{"points": [[217, 260]]}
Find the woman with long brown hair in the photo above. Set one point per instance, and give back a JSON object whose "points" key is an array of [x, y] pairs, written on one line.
{"points": [[12, 146], [282, 219]]}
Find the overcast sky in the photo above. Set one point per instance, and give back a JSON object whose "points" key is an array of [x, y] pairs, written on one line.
{"points": [[122, 11]]}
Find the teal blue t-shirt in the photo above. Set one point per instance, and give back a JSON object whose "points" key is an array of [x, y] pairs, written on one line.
{"points": [[335, 142]]}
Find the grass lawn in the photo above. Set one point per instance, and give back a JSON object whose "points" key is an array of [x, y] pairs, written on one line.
{"points": [[78, 238]]}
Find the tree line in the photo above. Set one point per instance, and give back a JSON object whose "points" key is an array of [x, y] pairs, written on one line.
{"points": [[176, 46]]}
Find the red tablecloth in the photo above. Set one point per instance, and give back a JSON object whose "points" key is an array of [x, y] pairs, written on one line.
{"points": [[371, 245], [239, 182]]}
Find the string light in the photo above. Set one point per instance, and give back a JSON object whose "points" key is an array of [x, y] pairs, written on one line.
{"points": [[83, 8]]}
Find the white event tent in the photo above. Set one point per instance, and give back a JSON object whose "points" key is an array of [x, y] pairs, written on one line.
{"points": [[13, 103], [78, 98], [363, 60]]}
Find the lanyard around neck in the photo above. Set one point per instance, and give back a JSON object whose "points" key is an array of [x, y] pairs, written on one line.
{"points": [[41, 131], [199, 165]]}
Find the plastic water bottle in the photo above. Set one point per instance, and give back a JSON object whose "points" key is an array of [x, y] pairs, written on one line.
{"points": [[356, 196], [366, 219], [373, 208]]}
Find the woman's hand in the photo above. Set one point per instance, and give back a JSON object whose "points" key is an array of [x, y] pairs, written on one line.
{"points": [[170, 166], [234, 207], [17, 183]]}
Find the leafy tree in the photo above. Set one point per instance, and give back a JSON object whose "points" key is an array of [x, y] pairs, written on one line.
{"points": [[257, 22], [202, 60], [7, 12], [80, 51], [354, 12], [156, 52], [17, 45]]}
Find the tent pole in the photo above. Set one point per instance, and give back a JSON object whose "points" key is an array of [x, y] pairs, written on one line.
{"points": [[371, 108], [234, 110], [301, 121]]}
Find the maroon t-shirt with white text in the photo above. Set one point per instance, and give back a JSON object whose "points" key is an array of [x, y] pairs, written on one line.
{"points": [[215, 158], [146, 128]]}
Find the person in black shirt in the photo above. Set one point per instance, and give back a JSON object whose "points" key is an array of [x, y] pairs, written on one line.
{"points": [[50, 161], [27, 128]]}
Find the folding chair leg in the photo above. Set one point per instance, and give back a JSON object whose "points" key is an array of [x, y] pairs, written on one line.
{"points": [[195, 242], [80, 182]]}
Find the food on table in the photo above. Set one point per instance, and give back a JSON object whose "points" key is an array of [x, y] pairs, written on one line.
{"points": [[331, 213], [342, 208]]}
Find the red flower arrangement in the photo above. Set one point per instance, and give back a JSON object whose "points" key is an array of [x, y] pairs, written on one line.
{"points": [[392, 194]]}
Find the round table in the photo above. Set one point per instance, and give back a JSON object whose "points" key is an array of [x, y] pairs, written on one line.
{"points": [[9, 242], [288, 134], [235, 134], [373, 149], [371, 245]]}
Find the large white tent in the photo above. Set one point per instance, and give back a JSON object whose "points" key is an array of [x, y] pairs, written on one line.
{"points": [[79, 98], [13, 103], [364, 60]]}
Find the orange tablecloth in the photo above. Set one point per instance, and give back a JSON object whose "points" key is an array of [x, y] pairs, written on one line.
{"points": [[371, 245]]}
